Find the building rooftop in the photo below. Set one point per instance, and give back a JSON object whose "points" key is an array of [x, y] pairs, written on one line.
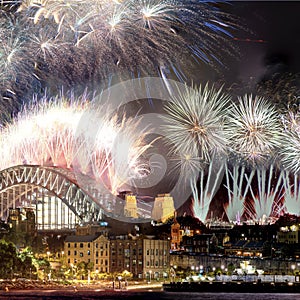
{"points": [[81, 238]]}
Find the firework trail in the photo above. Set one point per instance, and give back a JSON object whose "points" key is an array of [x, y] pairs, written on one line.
{"points": [[78, 43], [266, 204], [205, 188], [197, 132], [291, 195], [237, 191]]}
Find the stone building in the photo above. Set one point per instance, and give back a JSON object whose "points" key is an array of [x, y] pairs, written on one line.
{"points": [[156, 258], [288, 234], [89, 249], [126, 254], [143, 256], [22, 220]]}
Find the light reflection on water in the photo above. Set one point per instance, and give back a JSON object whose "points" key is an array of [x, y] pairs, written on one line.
{"points": [[141, 295], [228, 296]]}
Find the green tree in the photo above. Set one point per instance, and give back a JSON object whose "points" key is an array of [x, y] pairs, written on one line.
{"points": [[14, 263]]}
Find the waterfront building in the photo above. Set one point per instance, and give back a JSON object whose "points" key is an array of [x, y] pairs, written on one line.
{"points": [[92, 249], [178, 232], [245, 248], [126, 254], [156, 258], [142, 256], [288, 234], [200, 243]]}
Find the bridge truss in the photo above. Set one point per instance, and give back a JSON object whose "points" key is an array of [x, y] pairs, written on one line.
{"points": [[56, 199]]}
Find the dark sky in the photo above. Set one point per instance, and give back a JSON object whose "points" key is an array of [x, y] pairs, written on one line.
{"points": [[274, 43]]}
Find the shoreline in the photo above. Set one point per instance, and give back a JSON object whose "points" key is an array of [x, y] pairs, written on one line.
{"points": [[83, 292], [9, 286]]}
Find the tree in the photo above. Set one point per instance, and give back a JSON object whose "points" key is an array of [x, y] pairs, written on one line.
{"points": [[14, 263]]}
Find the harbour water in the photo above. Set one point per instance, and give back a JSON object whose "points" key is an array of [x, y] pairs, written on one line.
{"points": [[141, 295]]}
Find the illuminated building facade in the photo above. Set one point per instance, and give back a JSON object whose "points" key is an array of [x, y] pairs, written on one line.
{"points": [[163, 207]]}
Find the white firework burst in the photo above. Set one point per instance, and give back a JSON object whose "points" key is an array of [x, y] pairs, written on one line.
{"points": [[290, 150], [196, 122], [255, 129]]}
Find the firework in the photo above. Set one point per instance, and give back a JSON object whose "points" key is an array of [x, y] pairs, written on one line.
{"points": [[71, 43], [255, 129], [289, 152], [16, 69], [204, 191], [195, 123], [197, 133], [237, 191], [291, 193], [283, 89], [266, 203], [46, 133]]}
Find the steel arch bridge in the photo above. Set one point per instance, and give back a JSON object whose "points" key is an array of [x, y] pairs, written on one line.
{"points": [[54, 196]]}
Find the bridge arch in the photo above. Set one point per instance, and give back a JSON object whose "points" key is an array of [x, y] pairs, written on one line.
{"points": [[51, 189]]}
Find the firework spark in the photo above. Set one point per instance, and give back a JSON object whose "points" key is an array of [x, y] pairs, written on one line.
{"points": [[237, 191], [266, 204], [256, 132], [46, 133], [291, 193], [195, 123], [290, 150], [71, 43]]}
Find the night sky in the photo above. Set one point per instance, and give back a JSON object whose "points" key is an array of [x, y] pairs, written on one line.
{"points": [[273, 33], [267, 42], [269, 46]]}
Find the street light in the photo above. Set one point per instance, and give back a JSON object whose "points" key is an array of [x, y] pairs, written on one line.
{"points": [[222, 268], [293, 267], [119, 278]]}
